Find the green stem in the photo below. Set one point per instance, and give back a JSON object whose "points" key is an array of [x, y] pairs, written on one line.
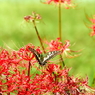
{"points": [[60, 33], [62, 62], [60, 23], [29, 66], [39, 36]]}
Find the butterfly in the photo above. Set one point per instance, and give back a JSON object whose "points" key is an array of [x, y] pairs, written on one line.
{"points": [[42, 60]]}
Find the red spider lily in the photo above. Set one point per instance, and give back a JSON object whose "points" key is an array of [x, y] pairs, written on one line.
{"points": [[57, 1], [8, 61], [57, 45], [50, 81], [66, 3], [17, 81], [28, 18], [25, 54], [32, 17], [93, 30], [53, 80], [53, 68], [93, 19]]}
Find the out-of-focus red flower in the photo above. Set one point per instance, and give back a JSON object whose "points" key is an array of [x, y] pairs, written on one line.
{"points": [[93, 19], [66, 3], [92, 27], [28, 18], [93, 30], [32, 17], [57, 1]]}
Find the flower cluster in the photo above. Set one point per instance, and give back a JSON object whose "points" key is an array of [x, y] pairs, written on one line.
{"points": [[67, 3], [13, 71], [57, 1], [16, 75], [57, 45], [59, 82]]}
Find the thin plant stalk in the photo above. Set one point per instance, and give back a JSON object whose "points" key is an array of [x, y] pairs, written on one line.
{"points": [[62, 61], [39, 36], [60, 31], [60, 19], [29, 67]]}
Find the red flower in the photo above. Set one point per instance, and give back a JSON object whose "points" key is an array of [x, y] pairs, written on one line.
{"points": [[53, 68], [17, 81], [28, 18], [25, 53], [8, 61], [93, 30], [57, 1], [32, 17], [66, 3], [58, 82], [14, 79], [93, 19], [57, 45]]}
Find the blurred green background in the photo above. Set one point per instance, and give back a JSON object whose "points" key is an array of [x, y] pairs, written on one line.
{"points": [[15, 32]]}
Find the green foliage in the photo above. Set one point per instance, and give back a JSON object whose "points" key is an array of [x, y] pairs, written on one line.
{"points": [[15, 32]]}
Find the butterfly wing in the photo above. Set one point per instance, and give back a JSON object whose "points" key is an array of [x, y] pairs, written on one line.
{"points": [[38, 56], [49, 56], [43, 60]]}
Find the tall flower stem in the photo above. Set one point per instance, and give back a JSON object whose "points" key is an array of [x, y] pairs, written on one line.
{"points": [[60, 31], [38, 36], [60, 19]]}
